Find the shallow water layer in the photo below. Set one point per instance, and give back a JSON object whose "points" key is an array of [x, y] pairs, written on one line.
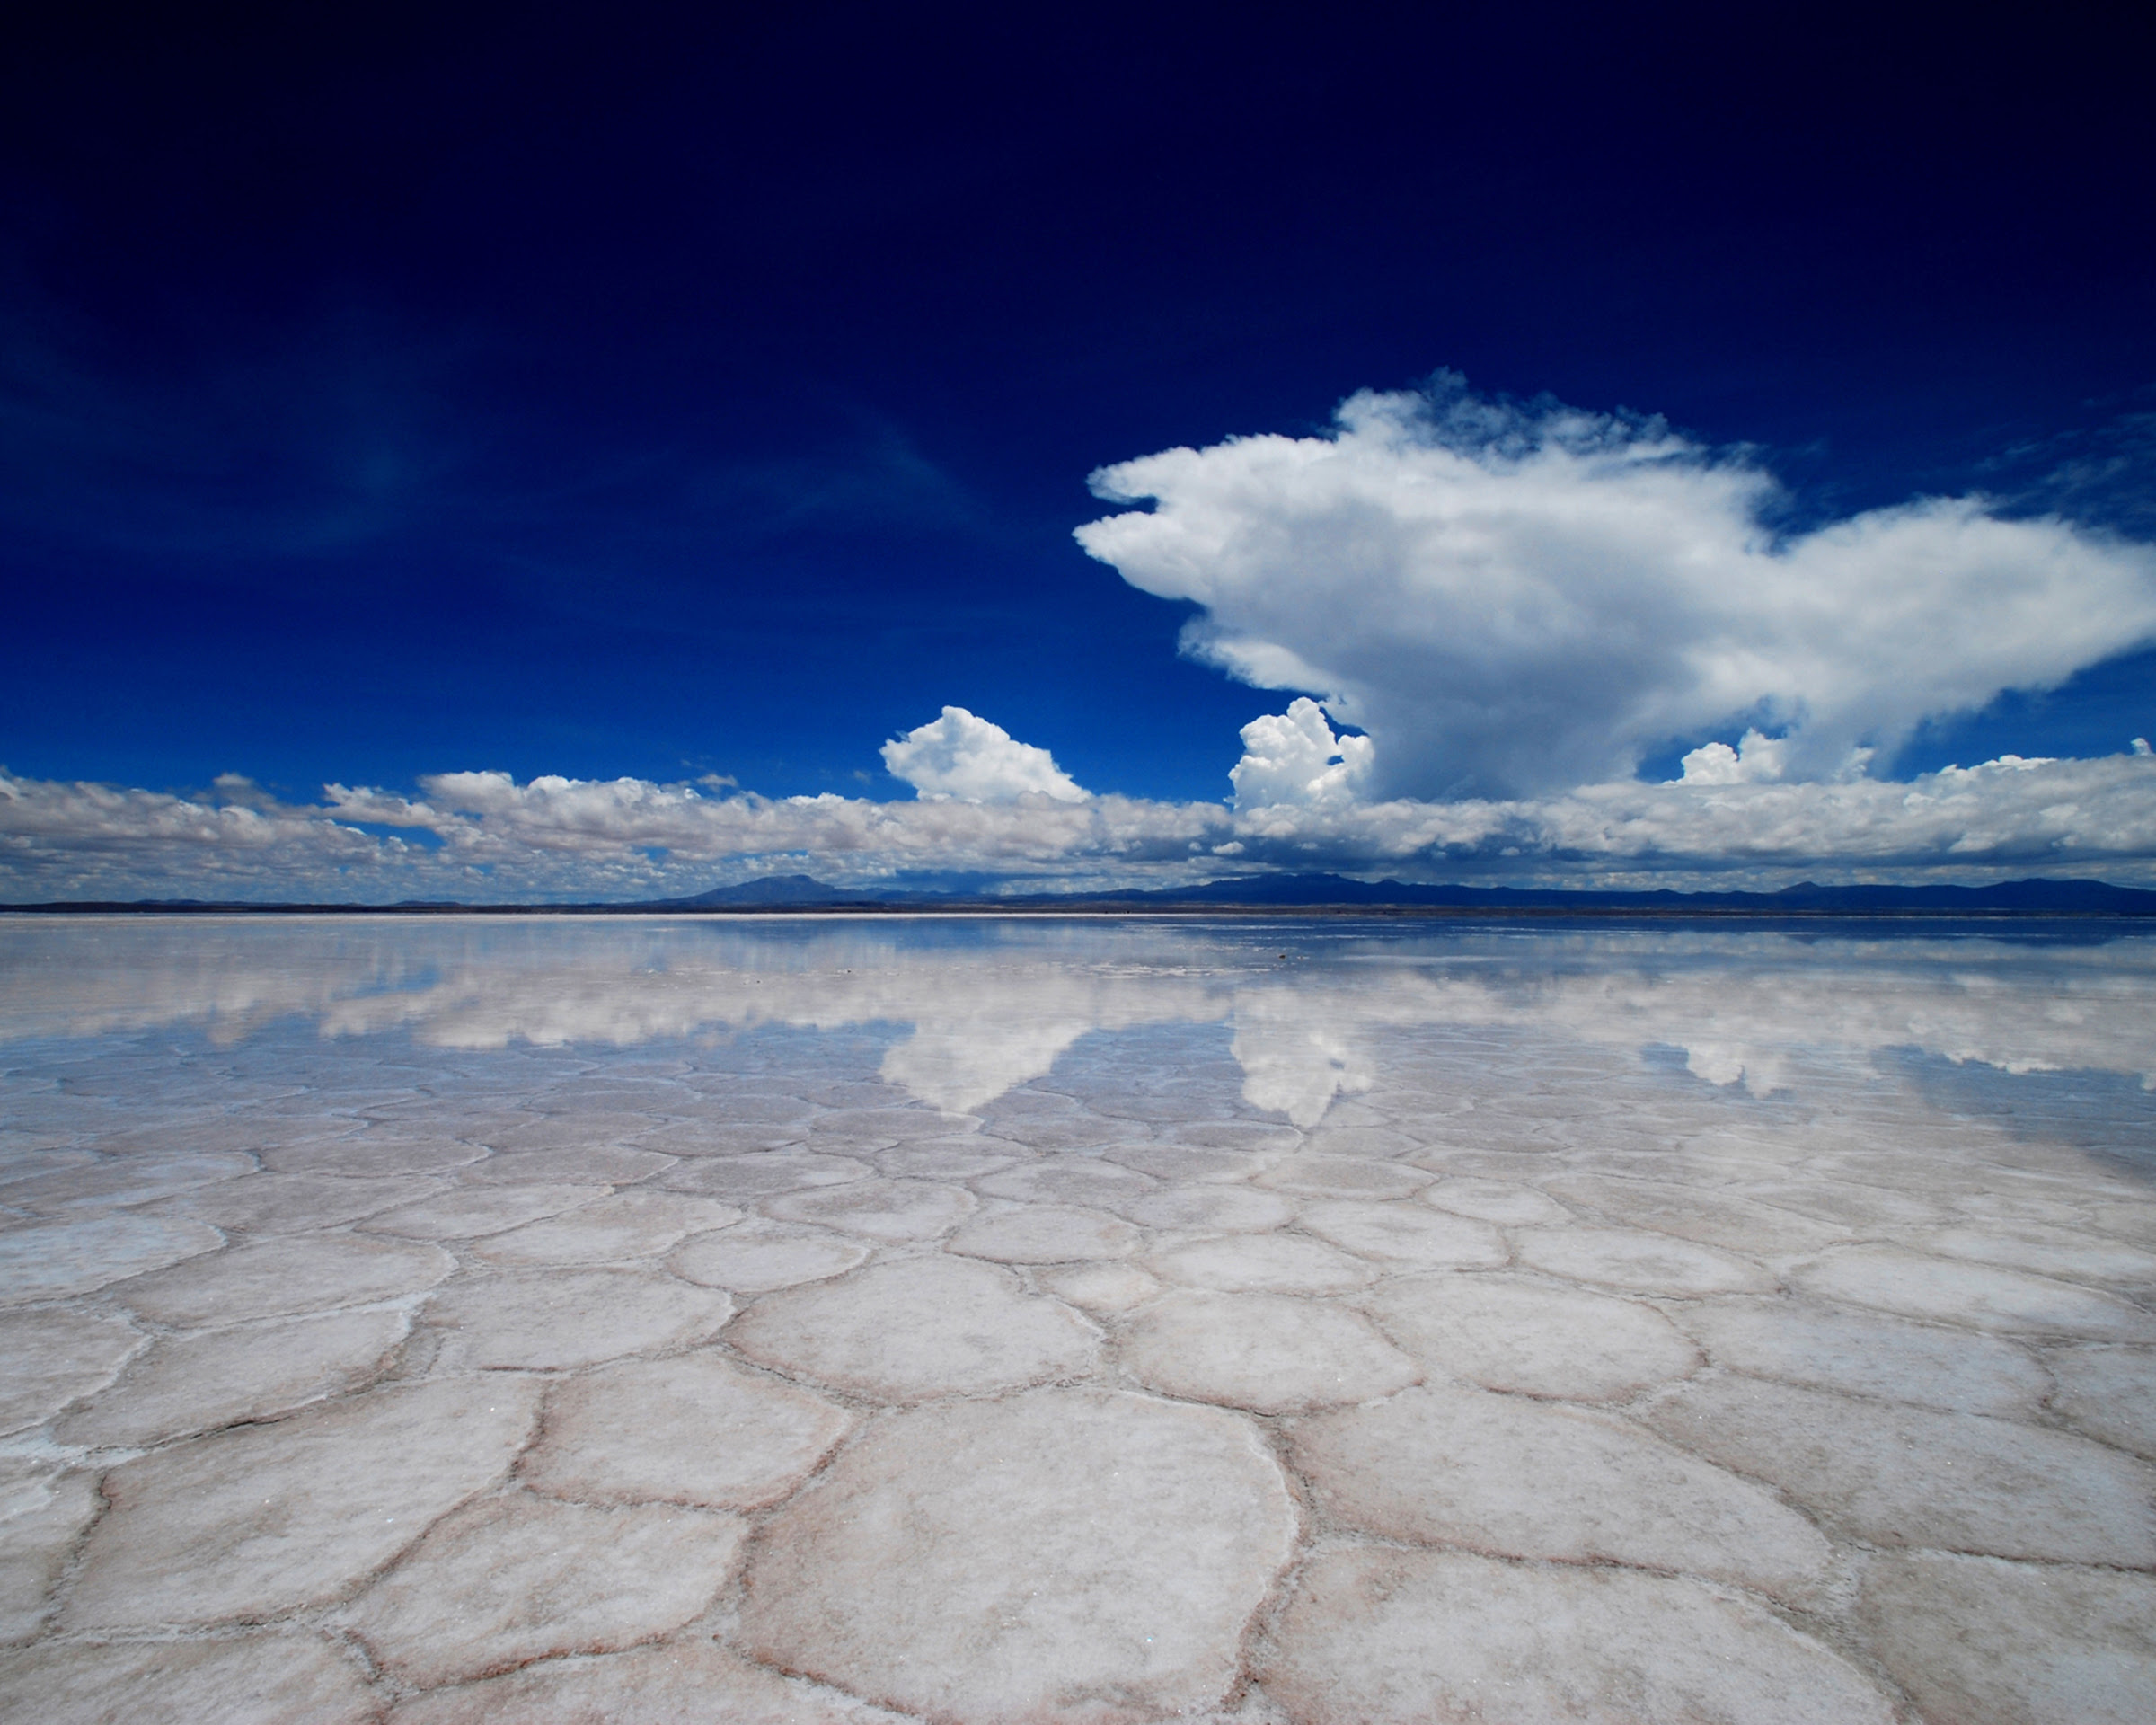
{"points": [[443, 1319]]}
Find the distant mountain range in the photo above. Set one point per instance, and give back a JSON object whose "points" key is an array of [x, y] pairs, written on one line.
{"points": [[1317, 893], [1334, 891]]}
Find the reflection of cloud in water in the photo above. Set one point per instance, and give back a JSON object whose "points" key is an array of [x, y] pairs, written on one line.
{"points": [[1300, 1044], [1743, 1007], [990, 1005], [961, 1066]]}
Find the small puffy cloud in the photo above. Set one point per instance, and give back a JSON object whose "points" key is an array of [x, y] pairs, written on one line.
{"points": [[1756, 759], [960, 757], [1294, 757], [1512, 601]]}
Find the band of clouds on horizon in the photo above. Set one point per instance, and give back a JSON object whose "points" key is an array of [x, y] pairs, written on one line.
{"points": [[495, 838], [1514, 605]]}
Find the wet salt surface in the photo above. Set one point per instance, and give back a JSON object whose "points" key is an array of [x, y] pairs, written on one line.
{"points": [[856, 1320]]}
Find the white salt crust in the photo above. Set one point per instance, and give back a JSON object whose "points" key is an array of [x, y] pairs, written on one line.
{"points": [[756, 1262], [532, 1578], [191, 1382], [1288, 1342], [1045, 1234], [52, 1259], [1512, 1333], [2108, 1393], [260, 1679], [694, 1429], [535, 1320], [2039, 1644], [1004, 1560], [1987, 1485], [1516, 1478], [281, 1277], [607, 1230], [50, 1356], [1396, 1637], [918, 1328], [684, 1681], [241, 1524], [46, 1510], [1266, 1352]]}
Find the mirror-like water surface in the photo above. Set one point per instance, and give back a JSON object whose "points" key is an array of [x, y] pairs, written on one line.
{"points": [[448, 1318]]}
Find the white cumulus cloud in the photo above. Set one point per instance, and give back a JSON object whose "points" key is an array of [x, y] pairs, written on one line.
{"points": [[1294, 757], [960, 757], [1516, 601], [1756, 759]]}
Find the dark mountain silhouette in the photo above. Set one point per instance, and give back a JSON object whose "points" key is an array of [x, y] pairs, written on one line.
{"points": [[1317, 892], [790, 891], [2051, 897]]}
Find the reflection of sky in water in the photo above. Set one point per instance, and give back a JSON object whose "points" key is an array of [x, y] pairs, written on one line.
{"points": [[357, 1260], [974, 1008]]}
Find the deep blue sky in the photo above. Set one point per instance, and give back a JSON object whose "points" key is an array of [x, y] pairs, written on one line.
{"points": [[599, 393]]}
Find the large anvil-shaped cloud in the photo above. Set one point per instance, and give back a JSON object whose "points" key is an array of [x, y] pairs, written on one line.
{"points": [[1514, 601]]}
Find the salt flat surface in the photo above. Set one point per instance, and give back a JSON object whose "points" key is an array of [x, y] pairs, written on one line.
{"points": [[863, 1319]]}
